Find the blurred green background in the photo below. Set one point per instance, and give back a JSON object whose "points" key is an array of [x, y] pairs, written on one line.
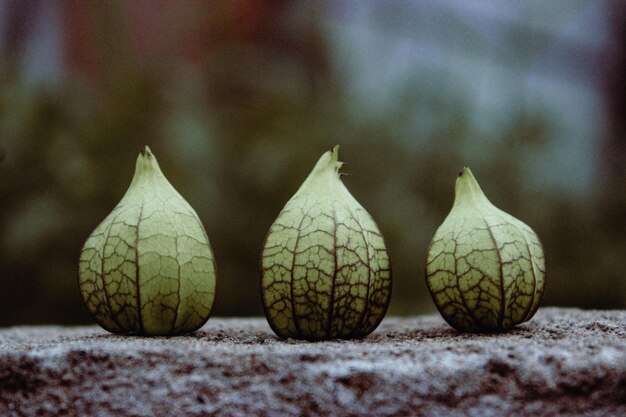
{"points": [[238, 99]]}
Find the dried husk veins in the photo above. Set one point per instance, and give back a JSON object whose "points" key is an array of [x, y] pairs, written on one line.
{"points": [[148, 267], [325, 268], [485, 269]]}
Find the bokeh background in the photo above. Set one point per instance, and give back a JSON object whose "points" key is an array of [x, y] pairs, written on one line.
{"points": [[239, 98]]}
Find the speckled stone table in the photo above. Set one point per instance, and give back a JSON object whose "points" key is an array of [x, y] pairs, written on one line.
{"points": [[563, 362]]}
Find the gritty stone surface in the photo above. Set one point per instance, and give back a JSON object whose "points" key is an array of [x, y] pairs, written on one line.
{"points": [[563, 362]]}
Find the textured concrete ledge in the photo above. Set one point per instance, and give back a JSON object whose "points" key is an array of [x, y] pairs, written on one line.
{"points": [[563, 362]]}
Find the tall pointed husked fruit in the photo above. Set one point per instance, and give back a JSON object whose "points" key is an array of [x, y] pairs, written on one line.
{"points": [[148, 267], [485, 268], [325, 268]]}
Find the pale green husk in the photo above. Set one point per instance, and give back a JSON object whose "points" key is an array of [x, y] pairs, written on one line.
{"points": [[325, 268], [148, 267], [485, 268]]}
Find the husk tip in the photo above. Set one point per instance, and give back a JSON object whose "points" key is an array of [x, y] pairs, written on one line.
{"points": [[467, 187], [466, 172], [328, 162], [145, 151], [146, 161]]}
